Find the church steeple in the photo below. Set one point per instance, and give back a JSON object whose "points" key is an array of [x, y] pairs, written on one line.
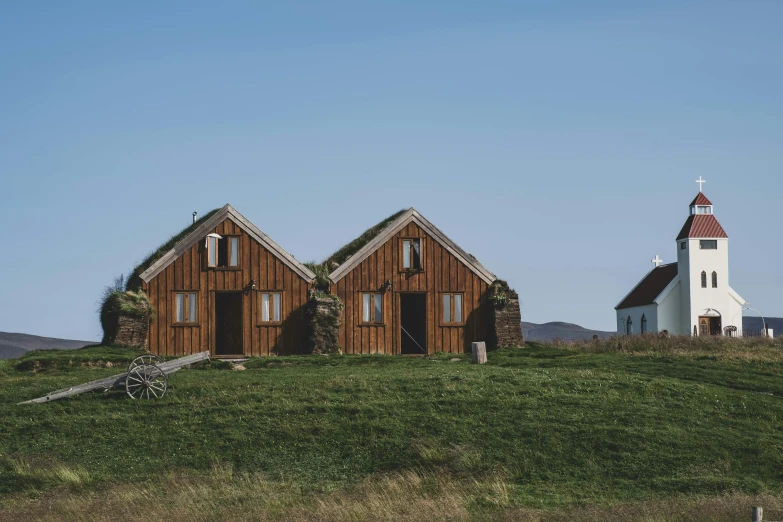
{"points": [[701, 205], [702, 222]]}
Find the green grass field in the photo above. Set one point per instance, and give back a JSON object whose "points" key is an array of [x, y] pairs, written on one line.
{"points": [[540, 433]]}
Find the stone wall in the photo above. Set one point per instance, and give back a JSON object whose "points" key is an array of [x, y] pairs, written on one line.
{"points": [[125, 318], [324, 318], [506, 325], [131, 331], [505, 316]]}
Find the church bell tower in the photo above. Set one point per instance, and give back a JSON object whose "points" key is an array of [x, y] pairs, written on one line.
{"points": [[703, 265]]}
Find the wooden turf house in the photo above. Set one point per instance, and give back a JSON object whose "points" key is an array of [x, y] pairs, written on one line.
{"points": [[409, 289], [223, 285]]}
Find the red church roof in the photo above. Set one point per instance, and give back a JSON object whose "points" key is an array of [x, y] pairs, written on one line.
{"points": [[701, 199], [649, 288], [702, 226]]}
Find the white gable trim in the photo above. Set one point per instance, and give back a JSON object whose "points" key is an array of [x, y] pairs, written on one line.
{"points": [[411, 215], [734, 295], [666, 291], [226, 212]]}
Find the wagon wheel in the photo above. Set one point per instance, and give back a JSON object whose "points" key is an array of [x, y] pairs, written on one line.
{"points": [[146, 359], [146, 381]]}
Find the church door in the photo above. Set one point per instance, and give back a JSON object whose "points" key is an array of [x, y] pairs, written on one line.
{"points": [[710, 326]]}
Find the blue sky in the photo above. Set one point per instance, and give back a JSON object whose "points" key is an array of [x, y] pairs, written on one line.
{"points": [[556, 141]]}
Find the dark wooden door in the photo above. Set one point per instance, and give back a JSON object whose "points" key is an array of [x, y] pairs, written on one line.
{"points": [[228, 323], [413, 324], [715, 326]]}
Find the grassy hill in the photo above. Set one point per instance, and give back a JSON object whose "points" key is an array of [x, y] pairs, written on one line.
{"points": [[560, 330], [17, 344], [645, 430]]}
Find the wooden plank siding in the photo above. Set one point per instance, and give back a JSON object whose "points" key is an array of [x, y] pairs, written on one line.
{"points": [[442, 273], [189, 273]]}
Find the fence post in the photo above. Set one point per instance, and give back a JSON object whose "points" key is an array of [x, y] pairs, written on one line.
{"points": [[758, 513], [479, 352]]}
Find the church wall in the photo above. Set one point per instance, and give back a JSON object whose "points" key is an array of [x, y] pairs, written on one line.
{"points": [[669, 312], [684, 273], [635, 313], [708, 301]]}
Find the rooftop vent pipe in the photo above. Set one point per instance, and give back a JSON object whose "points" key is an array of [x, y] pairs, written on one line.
{"points": [[195, 215]]}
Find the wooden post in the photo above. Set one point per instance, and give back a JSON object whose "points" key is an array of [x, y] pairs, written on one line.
{"points": [[758, 514], [479, 352]]}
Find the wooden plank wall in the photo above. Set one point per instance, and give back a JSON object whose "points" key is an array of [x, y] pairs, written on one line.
{"points": [[188, 272], [442, 273]]}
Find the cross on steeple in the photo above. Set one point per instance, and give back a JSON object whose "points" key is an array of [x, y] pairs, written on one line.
{"points": [[657, 261], [701, 182]]}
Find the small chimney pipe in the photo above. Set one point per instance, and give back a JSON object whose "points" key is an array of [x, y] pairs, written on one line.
{"points": [[195, 215]]}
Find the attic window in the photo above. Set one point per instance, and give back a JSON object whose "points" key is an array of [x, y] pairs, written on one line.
{"points": [[708, 244], [412, 254], [222, 252]]}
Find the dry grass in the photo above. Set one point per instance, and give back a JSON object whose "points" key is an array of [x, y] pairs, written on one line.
{"points": [[410, 495], [726, 349]]}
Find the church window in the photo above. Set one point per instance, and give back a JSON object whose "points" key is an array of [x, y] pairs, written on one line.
{"points": [[644, 323], [629, 326], [683, 245], [708, 244], [714, 280], [703, 210], [704, 279]]}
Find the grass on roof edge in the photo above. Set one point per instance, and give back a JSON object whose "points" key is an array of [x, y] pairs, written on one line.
{"points": [[134, 280], [344, 253]]}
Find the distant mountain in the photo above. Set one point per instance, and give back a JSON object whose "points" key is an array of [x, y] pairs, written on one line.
{"points": [[14, 345], [754, 323], [574, 332], [559, 330]]}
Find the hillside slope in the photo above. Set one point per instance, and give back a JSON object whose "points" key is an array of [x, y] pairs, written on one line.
{"points": [[559, 330], [17, 344], [329, 438]]}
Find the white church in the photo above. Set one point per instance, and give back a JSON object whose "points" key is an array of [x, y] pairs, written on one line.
{"points": [[691, 296]]}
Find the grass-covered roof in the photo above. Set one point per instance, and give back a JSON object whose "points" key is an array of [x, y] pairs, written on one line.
{"points": [[344, 253], [134, 280]]}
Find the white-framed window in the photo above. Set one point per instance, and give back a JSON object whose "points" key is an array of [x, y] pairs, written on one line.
{"points": [[372, 308], [708, 244], [271, 307], [185, 307], [222, 252], [703, 209]]}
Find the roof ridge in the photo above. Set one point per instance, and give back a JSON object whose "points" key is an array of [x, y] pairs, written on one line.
{"points": [[392, 228], [204, 225]]}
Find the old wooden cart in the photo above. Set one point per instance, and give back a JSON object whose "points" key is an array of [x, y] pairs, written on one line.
{"points": [[147, 378]]}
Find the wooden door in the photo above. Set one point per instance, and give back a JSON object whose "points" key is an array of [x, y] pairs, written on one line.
{"points": [[228, 323], [413, 323]]}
